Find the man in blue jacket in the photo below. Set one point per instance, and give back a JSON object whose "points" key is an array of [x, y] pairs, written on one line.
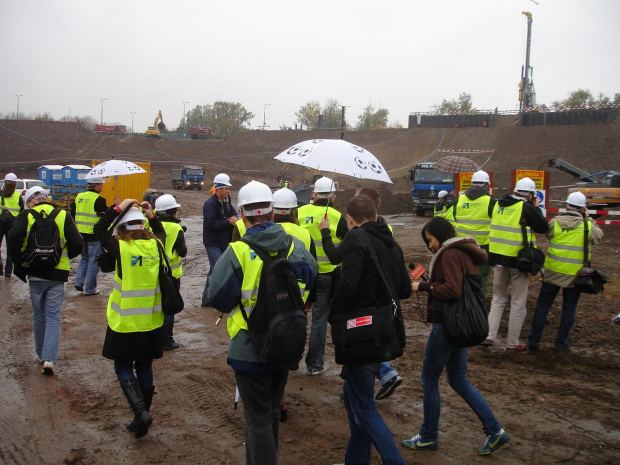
{"points": [[236, 279], [219, 218]]}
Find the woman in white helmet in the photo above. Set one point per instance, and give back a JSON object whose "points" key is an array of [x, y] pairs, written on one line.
{"points": [[134, 335], [168, 211]]}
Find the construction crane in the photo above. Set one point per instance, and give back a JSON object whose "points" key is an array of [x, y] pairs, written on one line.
{"points": [[157, 128], [527, 94]]}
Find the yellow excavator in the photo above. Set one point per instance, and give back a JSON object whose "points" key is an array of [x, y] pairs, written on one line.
{"points": [[157, 128]]}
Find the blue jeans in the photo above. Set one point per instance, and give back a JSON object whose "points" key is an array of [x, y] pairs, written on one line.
{"points": [[89, 268], [437, 356], [366, 424], [548, 293], [124, 370], [386, 372], [46, 297], [261, 394], [213, 254], [315, 358]]}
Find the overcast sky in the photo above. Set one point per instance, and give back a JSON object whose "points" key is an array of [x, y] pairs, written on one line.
{"points": [[64, 56]]}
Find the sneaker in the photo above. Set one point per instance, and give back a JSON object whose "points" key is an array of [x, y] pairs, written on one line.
{"points": [[316, 371], [520, 348], [388, 388], [494, 442], [487, 343], [79, 288], [48, 368], [417, 443], [171, 345], [95, 292]]}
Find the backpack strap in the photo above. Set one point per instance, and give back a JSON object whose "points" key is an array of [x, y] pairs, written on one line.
{"points": [[375, 259], [586, 262]]}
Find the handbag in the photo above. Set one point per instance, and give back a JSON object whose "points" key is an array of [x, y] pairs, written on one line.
{"points": [[589, 280], [369, 335], [529, 259], [171, 299], [464, 321]]}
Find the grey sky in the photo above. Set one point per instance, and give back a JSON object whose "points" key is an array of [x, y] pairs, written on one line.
{"points": [[403, 55]]}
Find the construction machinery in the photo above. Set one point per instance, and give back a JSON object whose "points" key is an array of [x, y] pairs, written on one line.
{"points": [[188, 177], [601, 188], [158, 127], [427, 183], [201, 132], [527, 94]]}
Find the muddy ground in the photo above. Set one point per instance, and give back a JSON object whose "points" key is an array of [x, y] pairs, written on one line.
{"points": [[558, 408]]}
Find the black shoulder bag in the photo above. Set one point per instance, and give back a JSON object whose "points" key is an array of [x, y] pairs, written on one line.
{"points": [[529, 259], [6, 217], [464, 321], [369, 335], [171, 299], [589, 280]]}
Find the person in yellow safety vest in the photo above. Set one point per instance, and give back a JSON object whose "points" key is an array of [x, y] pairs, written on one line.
{"points": [[565, 258], [87, 208], [440, 206], [388, 376], [471, 217], [505, 240], [285, 214], [134, 336], [11, 204], [176, 248], [236, 279], [47, 286], [310, 217]]}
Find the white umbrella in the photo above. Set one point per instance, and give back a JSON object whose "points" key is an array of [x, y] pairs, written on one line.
{"points": [[114, 168], [335, 156]]}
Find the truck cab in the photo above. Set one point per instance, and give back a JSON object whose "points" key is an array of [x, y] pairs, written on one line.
{"points": [[427, 182]]}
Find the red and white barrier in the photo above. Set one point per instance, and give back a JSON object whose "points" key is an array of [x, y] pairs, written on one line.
{"points": [[591, 212]]}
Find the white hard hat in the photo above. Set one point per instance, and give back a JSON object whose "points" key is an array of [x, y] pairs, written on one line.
{"points": [[481, 177], [166, 202], [222, 180], [525, 185], [35, 192], [284, 200], [252, 193], [134, 214], [576, 199], [10, 177], [95, 181], [442, 194], [324, 185]]}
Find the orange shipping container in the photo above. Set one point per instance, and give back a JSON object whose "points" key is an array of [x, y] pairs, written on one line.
{"points": [[129, 186]]}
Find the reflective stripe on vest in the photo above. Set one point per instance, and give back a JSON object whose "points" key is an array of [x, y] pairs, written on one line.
{"points": [[472, 218], [251, 267], [565, 254], [12, 203], [135, 302], [172, 233], [63, 264], [309, 218], [85, 216], [506, 237]]}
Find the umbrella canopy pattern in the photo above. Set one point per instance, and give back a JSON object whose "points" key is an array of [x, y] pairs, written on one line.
{"points": [[114, 168], [335, 156], [456, 164]]}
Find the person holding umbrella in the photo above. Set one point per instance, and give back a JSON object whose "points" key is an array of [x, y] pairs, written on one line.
{"points": [[310, 218]]}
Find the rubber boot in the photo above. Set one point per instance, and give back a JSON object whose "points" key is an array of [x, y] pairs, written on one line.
{"points": [[147, 393], [133, 393]]}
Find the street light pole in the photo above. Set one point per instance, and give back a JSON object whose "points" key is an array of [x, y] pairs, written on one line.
{"points": [[132, 113], [264, 115], [184, 115], [18, 96], [102, 100]]}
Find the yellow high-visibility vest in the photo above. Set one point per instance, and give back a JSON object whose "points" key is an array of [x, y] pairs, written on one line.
{"points": [[506, 237], [472, 218], [12, 203], [172, 233], [565, 254], [85, 216], [309, 218], [45, 210]]}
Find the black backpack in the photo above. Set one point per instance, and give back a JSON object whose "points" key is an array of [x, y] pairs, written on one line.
{"points": [[43, 248], [278, 322]]}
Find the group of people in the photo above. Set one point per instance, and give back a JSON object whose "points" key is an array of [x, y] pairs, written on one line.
{"points": [[332, 255]]}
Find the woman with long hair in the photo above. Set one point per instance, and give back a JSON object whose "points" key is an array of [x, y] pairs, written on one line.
{"points": [[453, 258], [134, 334]]}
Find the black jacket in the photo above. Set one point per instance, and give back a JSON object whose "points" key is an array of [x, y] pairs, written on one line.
{"points": [[530, 216], [361, 285]]}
